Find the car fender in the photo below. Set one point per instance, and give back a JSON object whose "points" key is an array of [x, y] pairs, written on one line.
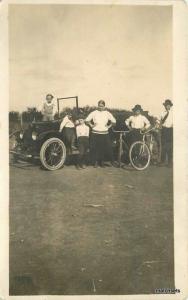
{"points": [[42, 137]]}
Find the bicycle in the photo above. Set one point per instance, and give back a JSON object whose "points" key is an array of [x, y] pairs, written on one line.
{"points": [[122, 147], [140, 153]]}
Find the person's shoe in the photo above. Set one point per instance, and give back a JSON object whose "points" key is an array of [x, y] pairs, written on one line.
{"points": [[102, 165], [114, 164], [162, 164], [78, 167], [73, 148]]}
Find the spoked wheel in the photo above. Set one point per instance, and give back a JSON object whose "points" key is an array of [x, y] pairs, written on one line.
{"points": [[140, 156], [53, 154]]}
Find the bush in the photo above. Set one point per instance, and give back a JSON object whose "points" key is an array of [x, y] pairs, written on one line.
{"points": [[32, 114]]}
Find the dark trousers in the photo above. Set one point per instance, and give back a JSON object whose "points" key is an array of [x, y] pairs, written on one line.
{"points": [[101, 148], [83, 146], [70, 137], [167, 145], [133, 136]]}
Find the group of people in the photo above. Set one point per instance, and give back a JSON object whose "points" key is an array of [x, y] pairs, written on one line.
{"points": [[92, 132]]}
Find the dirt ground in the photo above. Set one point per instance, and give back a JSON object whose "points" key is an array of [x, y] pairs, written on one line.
{"points": [[60, 244]]}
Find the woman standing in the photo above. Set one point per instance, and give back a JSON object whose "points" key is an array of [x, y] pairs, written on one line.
{"points": [[100, 120]]}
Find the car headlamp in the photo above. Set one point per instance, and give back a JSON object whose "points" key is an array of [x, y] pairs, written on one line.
{"points": [[34, 135]]}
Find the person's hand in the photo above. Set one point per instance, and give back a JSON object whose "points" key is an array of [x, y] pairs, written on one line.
{"points": [[143, 129]]}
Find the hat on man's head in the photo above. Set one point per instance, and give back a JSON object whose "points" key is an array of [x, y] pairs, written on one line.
{"points": [[168, 102], [49, 95], [137, 107]]}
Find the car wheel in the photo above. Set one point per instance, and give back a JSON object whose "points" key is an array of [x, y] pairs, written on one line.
{"points": [[53, 154]]}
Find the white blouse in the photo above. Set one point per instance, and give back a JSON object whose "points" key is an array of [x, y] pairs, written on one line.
{"points": [[100, 120]]}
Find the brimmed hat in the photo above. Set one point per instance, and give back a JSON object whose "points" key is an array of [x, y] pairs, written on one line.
{"points": [[137, 107], [49, 95], [168, 102]]}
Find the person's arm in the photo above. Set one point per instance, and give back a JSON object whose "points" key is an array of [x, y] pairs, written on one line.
{"points": [[77, 131], [88, 131], [128, 122], [111, 119], [146, 123], [89, 119], [63, 123]]}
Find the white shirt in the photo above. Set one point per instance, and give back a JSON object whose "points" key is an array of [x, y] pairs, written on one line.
{"points": [[66, 123], [169, 120], [137, 122], [100, 120], [82, 130], [48, 108]]}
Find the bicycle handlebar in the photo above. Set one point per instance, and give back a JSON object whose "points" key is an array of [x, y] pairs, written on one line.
{"points": [[126, 131], [120, 131], [146, 131]]}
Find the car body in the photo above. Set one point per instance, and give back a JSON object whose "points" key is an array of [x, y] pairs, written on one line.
{"points": [[41, 140]]}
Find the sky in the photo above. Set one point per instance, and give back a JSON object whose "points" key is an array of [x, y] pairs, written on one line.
{"points": [[119, 53]]}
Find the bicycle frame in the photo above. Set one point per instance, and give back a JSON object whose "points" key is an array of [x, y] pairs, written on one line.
{"points": [[121, 133], [151, 141]]}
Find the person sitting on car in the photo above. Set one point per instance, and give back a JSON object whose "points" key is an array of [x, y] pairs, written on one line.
{"points": [[48, 108], [135, 123], [68, 127]]}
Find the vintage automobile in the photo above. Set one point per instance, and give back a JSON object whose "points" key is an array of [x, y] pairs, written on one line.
{"points": [[41, 140]]}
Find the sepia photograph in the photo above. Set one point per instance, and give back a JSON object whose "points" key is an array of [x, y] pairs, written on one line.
{"points": [[91, 160]]}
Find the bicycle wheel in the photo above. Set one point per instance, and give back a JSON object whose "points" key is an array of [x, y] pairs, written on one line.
{"points": [[139, 155]]}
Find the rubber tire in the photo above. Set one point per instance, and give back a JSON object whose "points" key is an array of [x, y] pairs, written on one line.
{"points": [[42, 154], [130, 157]]}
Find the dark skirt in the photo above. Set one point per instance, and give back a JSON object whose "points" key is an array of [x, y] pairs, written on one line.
{"points": [[101, 147]]}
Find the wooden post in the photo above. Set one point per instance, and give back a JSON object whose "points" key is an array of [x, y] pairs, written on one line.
{"points": [[21, 121]]}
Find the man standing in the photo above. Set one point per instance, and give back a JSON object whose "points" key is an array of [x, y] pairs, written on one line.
{"points": [[166, 121], [100, 120], [68, 127], [135, 123]]}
